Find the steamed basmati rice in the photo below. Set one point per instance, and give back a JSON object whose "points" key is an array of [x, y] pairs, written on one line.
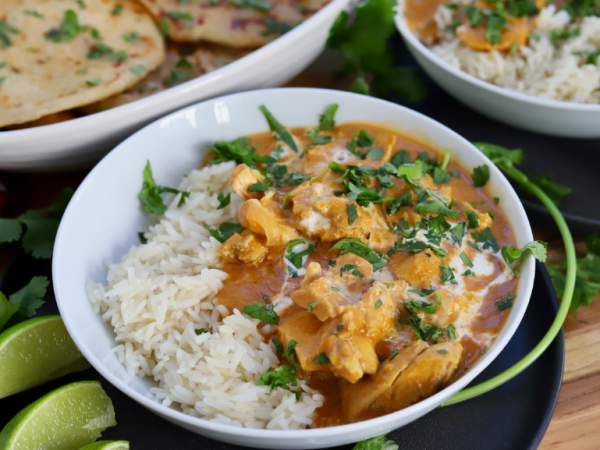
{"points": [[164, 290], [539, 68]]}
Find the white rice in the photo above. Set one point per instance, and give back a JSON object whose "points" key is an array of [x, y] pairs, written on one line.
{"points": [[162, 291], [538, 69]]}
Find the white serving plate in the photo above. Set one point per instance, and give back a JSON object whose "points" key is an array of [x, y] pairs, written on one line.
{"points": [[83, 141], [104, 217], [553, 117]]}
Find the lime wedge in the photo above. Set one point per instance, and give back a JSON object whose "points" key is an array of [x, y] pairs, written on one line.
{"points": [[34, 352], [107, 445], [65, 419]]}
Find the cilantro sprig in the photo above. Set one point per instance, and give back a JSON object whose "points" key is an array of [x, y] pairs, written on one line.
{"points": [[151, 193], [359, 248], [364, 45], [262, 312], [36, 228], [280, 132], [23, 304], [282, 377]]}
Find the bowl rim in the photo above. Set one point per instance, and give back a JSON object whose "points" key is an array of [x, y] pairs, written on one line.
{"points": [[105, 118], [415, 411], [400, 20]]}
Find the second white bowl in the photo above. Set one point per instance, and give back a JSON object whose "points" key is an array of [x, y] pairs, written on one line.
{"points": [[553, 117]]}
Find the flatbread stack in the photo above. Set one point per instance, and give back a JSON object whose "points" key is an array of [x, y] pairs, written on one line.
{"points": [[61, 59]]}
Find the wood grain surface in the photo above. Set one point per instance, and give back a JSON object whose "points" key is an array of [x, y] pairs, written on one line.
{"points": [[576, 420]]}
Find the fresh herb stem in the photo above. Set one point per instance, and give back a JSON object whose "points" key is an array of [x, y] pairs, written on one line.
{"points": [[523, 364]]}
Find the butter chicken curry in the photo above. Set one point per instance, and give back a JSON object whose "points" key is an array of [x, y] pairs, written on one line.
{"points": [[373, 260]]}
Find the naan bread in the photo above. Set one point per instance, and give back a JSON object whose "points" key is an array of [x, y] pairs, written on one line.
{"points": [[57, 55], [250, 24], [51, 119], [184, 62]]}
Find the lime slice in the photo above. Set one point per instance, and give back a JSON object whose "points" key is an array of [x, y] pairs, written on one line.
{"points": [[65, 419], [34, 352], [107, 445]]}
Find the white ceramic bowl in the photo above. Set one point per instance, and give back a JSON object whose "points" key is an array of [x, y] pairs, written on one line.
{"points": [[83, 141], [104, 218], [565, 119]]}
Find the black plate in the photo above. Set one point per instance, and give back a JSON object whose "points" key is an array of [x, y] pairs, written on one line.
{"points": [[572, 162], [514, 416]]}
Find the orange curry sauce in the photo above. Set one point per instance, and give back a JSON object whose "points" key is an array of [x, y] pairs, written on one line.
{"points": [[248, 283]]}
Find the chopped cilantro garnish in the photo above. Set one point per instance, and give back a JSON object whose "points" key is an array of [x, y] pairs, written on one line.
{"points": [[224, 231], [505, 303], [447, 274], [458, 233], [239, 151], [394, 354], [473, 219], [150, 195], [404, 200], [351, 268], [435, 207], [32, 13], [118, 9], [321, 359], [279, 130], [378, 304], [326, 121], [278, 346], [480, 175], [185, 17], [296, 258], [316, 138], [311, 306], [99, 51], [352, 214], [359, 248], [200, 331], [283, 377], [262, 312], [422, 292], [443, 351], [451, 332], [163, 26], [138, 70], [290, 353], [142, 238], [224, 200], [427, 308], [334, 289], [486, 239], [259, 186], [332, 263], [130, 37], [94, 82], [466, 259], [562, 34], [286, 202]]}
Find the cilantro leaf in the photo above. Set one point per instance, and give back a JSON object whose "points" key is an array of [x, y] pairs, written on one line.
{"points": [[259, 5], [422, 292], [318, 139], [290, 353], [41, 226], [200, 331], [321, 359], [262, 312], [420, 305], [473, 219], [447, 274], [379, 442], [239, 151], [352, 214], [278, 346], [7, 310], [296, 258], [487, 239], [359, 86], [436, 207], [466, 260], [505, 303], [363, 42], [556, 192], [225, 230], [480, 175], [404, 200], [279, 130], [274, 27], [497, 152], [359, 248], [326, 121], [537, 249], [24, 303], [224, 200], [352, 269], [283, 377], [150, 194], [10, 230], [458, 233], [412, 170]]}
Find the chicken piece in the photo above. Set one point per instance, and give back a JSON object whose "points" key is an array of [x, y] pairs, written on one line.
{"points": [[265, 218], [317, 159], [420, 270], [427, 374], [317, 286], [357, 398], [246, 247], [516, 32], [447, 312], [319, 213], [241, 178], [350, 356], [305, 329]]}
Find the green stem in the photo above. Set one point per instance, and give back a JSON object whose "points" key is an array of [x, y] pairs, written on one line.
{"points": [[562, 311]]}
